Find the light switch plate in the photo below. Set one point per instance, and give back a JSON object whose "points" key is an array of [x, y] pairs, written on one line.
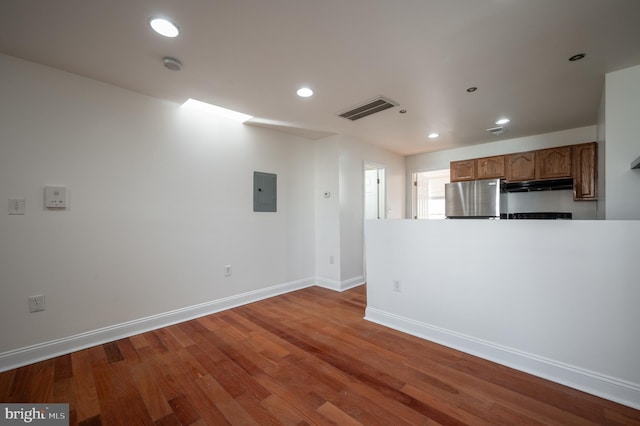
{"points": [[55, 197], [16, 206], [36, 303]]}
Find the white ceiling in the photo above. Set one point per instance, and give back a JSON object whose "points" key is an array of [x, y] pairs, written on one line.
{"points": [[252, 56]]}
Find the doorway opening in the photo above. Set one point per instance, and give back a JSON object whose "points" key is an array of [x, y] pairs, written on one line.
{"points": [[374, 191], [428, 194], [374, 201]]}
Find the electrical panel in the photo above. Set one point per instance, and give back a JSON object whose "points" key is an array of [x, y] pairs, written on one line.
{"points": [[265, 195]]}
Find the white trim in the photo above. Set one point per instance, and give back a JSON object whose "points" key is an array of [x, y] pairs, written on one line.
{"points": [[340, 285], [352, 283], [46, 350], [611, 388]]}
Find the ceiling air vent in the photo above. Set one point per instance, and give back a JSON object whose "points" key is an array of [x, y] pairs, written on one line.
{"points": [[496, 130], [367, 108]]}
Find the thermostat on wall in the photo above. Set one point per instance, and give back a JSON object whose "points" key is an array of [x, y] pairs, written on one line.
{"points": [[55, 197]]}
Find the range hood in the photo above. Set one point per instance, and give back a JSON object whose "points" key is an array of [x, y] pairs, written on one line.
{"points": [[539, 185]]}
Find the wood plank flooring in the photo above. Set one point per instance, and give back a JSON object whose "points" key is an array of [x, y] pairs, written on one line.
{"points": [[303, 358]]}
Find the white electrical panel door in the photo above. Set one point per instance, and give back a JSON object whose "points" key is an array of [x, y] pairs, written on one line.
{"points": [[55, 197]]}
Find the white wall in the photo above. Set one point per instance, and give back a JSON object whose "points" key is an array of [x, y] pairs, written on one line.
{"points": [[440, 160], [327, 211], [622, 133], [160, 202], [340, 218], [558, 299], [602, 153], [353, 155], [551, 201]]}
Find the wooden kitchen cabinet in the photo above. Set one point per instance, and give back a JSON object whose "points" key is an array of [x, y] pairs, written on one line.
{"points": [[553, 163], [572, 161], [520, 166], [490, 167], [584, 159], [462, 170]]}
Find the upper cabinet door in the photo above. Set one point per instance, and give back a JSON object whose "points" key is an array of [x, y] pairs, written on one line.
{"points": [[553, 163], [490, 167], [585, 171], [462, 170], [521, 166]]}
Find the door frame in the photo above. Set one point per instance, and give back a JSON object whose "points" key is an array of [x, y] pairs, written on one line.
{"points": [[382, 199]]}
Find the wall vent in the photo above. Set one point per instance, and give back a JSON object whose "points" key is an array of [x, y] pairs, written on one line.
{"points": [[367, 108]]}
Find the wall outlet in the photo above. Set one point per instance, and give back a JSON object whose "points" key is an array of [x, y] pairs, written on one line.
{"points": [[331, 260], [227, 270], [36, 303], [396, 286]]}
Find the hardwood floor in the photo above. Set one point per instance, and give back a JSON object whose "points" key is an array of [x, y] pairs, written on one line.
{"points": [[306, 357]]}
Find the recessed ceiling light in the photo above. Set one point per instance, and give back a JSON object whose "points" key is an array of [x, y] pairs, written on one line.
{"points": [[304, 92], [216, 110], [472, 89], [164, 27], [503, 121], [577, 57], [433, 135]]}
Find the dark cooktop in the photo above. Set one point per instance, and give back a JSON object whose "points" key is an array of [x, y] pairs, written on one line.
{"points": [[540, 215]]}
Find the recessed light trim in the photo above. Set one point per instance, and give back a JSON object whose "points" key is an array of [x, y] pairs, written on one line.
{"points": [[216, 110], [164, 27], [304, 92], [472, 89], [433, 135], [503, 121]]}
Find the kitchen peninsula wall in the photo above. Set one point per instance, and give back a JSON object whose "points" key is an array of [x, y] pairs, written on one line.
{"points": [[557, 299]]}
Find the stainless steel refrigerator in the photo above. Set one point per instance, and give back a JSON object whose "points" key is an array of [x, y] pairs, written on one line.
{"points": [[477, 199]]}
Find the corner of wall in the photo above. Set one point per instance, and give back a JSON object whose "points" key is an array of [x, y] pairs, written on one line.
{"points": [[601, 210]]}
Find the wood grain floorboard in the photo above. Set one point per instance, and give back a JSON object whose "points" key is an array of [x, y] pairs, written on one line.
{"points": [[302, 358]]}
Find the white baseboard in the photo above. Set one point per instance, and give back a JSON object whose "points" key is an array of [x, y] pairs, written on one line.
{"points": [[47, 350], [340, 285], [591, 382]]}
